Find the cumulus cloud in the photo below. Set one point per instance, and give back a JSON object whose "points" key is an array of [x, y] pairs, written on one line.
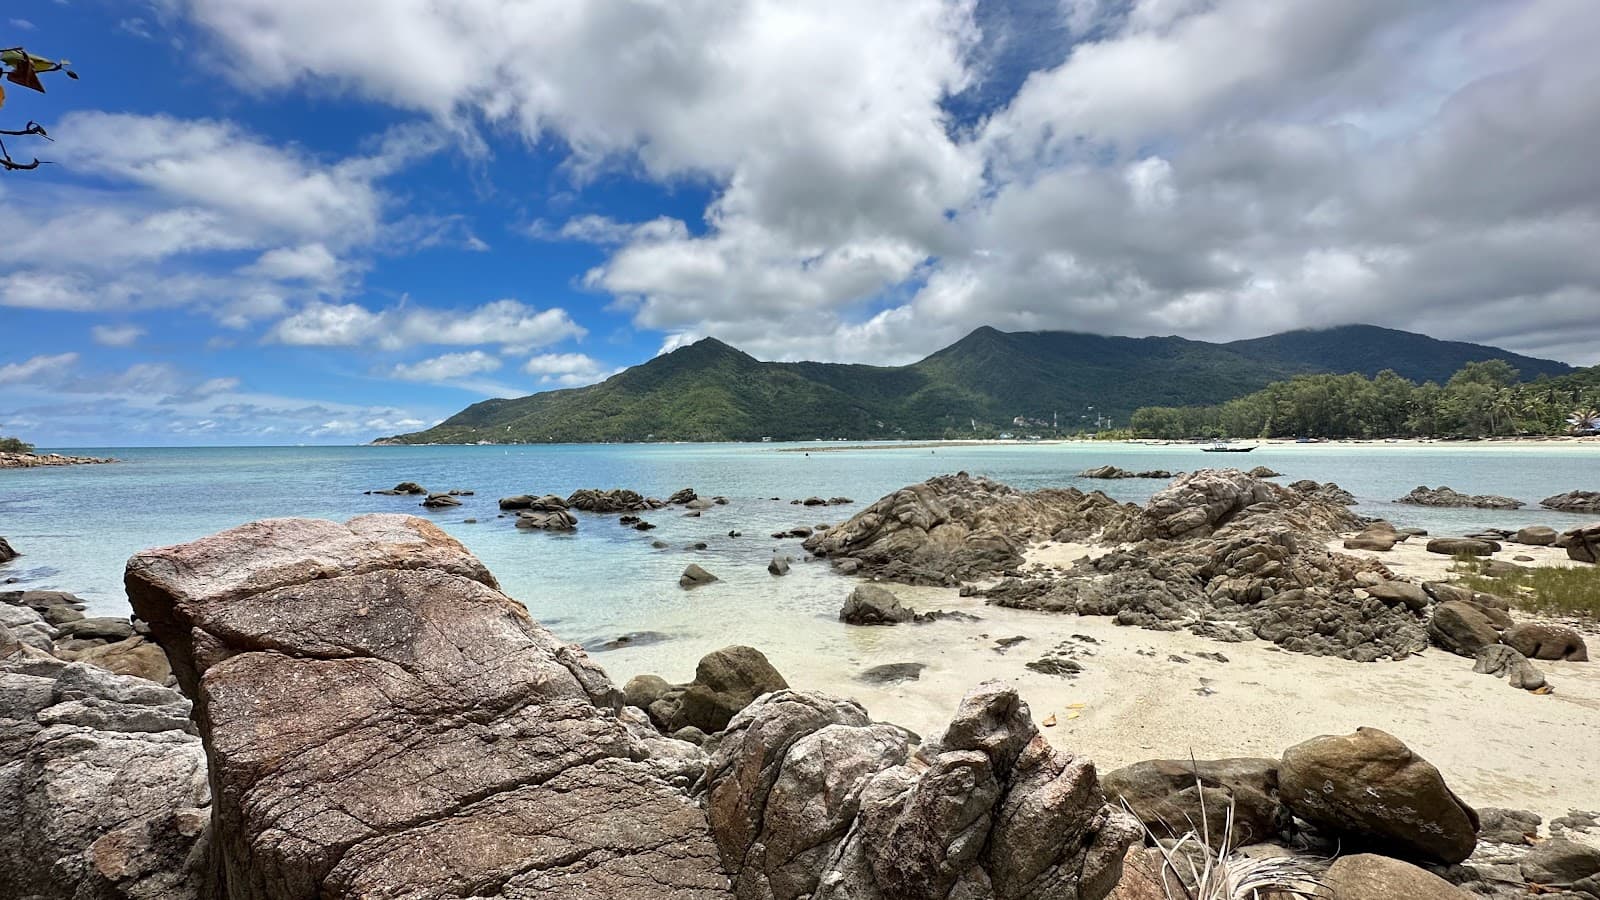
{"points": [[1218, 168], [116, 335], [448, 367], [176, 199], [505, 322], [567, 369]]}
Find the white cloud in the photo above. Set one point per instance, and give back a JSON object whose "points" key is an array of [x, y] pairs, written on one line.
{"points": [[36, 368], [448, 367], [116, 335], [504, 322]]}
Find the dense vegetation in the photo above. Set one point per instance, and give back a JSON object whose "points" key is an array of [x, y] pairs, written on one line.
{"points": [[1055, 382], [14, 445], [1481, 399]]}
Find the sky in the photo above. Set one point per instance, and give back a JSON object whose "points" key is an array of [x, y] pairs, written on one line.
{"points": [[304, 221]]}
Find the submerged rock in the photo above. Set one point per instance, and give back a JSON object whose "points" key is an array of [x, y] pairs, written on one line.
{"points": [[6, 553], [1423, 495], [382, 721], [810, 799], [1116, 472], [614, 500], [693, 576]]}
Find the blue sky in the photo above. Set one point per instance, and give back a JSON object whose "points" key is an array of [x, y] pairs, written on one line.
{"points": [[284, 221]]}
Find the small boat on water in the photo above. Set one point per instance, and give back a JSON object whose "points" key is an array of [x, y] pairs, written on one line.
{"points": [[1226, 448]]}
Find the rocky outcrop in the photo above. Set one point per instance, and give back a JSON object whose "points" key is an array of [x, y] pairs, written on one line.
{"points": [[1540, 640], [809, 799], [381, 721], [612, 501], [1372, 789], [56, 607], [1380, 536], [1205, 502], [9, 460], [959, 527], [6, 553], [1172, 797], [1422, 495], [103, 789], [725, 682], [546, 520], [1574, 501], [1582, 544], [545, 503], [1254, 568], [1115, 472], [870, 604], [441, 501]]}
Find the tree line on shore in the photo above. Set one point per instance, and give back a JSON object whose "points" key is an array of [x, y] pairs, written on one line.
{"points": [[1482, 399]]}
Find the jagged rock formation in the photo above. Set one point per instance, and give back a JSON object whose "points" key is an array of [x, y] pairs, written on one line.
{"points": [[1422, 495], [1574, 501], [1114, 472], [1230, 556], [103, 792], [958, 527], [1582, 544], [809, 799], [381, 721], [614, 500]]}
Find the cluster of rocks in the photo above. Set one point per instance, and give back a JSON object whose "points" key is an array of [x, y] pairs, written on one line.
{"points": [[1582, 543], [1386, 814], [1114, 472], [725, 682], [53, 622], [1422, 495], [818, 501], [954, 528], [1573, 501], [432, 499], [9, 460], [1381, 536], [373, 717]]}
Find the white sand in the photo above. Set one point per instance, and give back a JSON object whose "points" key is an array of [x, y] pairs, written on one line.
{"points": [[1497, 745]]}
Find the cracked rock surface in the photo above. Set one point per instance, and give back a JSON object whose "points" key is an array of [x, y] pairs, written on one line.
{"points": [[381, 721]]}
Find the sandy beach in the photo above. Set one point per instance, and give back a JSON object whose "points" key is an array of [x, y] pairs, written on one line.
{"points": [[1497, 745]]}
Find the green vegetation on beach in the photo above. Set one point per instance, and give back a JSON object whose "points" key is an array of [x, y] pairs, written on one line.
{"points": [[1547, 590], [1482, 399]]}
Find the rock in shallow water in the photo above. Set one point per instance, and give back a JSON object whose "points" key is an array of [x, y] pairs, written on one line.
{"points": [[383, 722]]}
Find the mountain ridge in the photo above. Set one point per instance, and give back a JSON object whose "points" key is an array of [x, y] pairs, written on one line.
{"points": [[711, 390]]}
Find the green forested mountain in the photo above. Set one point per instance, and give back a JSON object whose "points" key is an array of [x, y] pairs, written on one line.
{"points": [[711, 391]]}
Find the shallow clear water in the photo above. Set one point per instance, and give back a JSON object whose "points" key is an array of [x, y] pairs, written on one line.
{"points": [[77, 526]]}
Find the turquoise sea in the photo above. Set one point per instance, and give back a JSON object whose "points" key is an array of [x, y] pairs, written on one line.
{"points": [[77, 526]]}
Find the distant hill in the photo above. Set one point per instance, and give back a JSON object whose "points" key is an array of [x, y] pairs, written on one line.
{"points": [[711, 391]]}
